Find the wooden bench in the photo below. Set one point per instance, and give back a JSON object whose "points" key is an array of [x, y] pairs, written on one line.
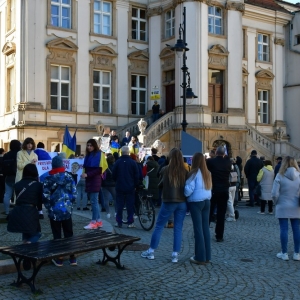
{"points": [[35, 255]]}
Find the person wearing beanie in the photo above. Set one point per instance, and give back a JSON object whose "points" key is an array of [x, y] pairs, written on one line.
{"points": [[41, 152], [9, 166], [58, 197]]}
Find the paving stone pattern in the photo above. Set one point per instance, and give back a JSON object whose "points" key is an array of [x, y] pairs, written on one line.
{"points": [[244, 266]]}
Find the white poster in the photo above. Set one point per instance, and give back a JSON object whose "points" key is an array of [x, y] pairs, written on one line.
{"points": [[73, 166]]}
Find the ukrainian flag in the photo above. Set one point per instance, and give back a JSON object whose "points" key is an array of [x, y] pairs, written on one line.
{"points": [[69, 143]]}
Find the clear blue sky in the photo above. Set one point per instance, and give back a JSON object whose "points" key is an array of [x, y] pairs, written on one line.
{"points": [[292, 1]]}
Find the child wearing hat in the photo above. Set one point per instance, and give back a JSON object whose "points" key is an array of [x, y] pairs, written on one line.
{"points": [[58, 197]]}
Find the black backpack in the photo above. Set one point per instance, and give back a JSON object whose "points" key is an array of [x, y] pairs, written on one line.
{"points": [[9, 167]]}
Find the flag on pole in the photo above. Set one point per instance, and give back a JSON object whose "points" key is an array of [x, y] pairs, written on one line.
{"points": [[69, 143], [103, 162]]}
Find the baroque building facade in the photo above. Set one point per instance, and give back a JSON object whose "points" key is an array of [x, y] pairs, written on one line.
{"points": [[85, 62]]}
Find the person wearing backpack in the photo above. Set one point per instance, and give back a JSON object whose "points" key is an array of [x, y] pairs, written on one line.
{"points": [[9, 165], [233, 180]]}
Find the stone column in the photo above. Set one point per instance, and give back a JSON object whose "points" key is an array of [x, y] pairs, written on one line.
{"points": [[235, 46], [154, 51], [251, 109], [279, 71]]}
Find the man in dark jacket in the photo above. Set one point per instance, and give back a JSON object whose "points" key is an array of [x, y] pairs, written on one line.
{"points": [[251, 169], [277, 167], [126, 175], [220, 168], [9, 165]]}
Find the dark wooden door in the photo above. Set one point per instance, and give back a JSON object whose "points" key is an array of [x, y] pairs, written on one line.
{"points": [[170, 97], [215, 97]]}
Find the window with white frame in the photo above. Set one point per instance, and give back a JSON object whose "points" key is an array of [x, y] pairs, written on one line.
{"points": [[170, 23], [215, 24], [61, 13], [138, 94], [102, 17], [263, 106], [60, 89], [263, 49], [139, 24], [102, 91]]}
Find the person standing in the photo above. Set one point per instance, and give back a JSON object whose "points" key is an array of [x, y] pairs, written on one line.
{"points": [[155, 111], [9, 165], [251, 169], [198, 190], [125, 173], [2, 177], [265, 178], [59, 196], [277, 167], [285, 194], [220, 168], [41, 152], [92, 174], [126, 140], [24, 218], [174, 202], [25, 156]]}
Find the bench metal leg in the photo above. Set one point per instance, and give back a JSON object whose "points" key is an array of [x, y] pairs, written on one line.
{"points": [[27, 264], [116, 259]]}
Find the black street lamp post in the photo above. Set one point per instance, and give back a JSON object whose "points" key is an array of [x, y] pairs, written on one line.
{"points": [[180, 49]]}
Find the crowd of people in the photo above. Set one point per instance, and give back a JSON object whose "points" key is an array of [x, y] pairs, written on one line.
{"points": [[208, 190]]}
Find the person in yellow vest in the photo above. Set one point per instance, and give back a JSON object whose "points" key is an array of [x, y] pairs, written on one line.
{"points": [[25, 156]]}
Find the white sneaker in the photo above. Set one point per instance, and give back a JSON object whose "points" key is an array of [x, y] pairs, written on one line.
{"points": [[175, 258], [108, 216], [283, 256], [230, 219], [296, 256], [147, 254], [260, 212]]}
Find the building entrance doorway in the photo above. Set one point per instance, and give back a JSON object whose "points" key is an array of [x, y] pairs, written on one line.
{"points": [[225, 144], [170, 97]]}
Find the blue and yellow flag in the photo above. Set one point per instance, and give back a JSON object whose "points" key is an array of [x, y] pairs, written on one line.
{"points": [[95, 160], [69, 143]]}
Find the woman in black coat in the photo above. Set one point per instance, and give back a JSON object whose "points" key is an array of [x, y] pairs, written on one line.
{"points": [[24, 218]]}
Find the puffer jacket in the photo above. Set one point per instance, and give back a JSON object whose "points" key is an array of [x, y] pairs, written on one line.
{"points": [[23, 159], [59, 194], [285, 194], [169, 193], [265, 178]]}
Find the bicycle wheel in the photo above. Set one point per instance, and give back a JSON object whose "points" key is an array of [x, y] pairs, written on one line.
{"points": [[146, 213]]}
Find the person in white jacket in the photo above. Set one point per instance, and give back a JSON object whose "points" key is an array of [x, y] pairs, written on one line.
{"points": [[198, 190], [285, 194]]}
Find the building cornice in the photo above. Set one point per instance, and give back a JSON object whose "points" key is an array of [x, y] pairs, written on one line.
{"points": [[238, 6]]}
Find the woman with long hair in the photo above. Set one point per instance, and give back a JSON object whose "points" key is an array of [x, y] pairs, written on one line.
{"points": [[173, 202], [198, 190], [92, 174], [25, 156], [285, 194]]}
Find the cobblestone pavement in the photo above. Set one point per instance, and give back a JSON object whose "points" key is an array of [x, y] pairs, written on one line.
{"points": [[244, 266]]}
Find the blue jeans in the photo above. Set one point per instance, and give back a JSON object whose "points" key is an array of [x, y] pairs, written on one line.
{"points": [[81, 194], [9, 189], [284, 229], [95, 206], [31, 238], [127, 199], [166, 210], [251, 186], [155, 117], [200, 217]]}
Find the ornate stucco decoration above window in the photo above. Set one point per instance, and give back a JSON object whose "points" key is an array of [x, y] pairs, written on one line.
{"points": [[217, 57], [167, 57], [279, 41], [154, 11], [103, 57], [139, 62], [264, 79], [9, 50], [232, 5]]}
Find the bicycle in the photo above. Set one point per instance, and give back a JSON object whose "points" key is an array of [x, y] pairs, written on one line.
{"points": [[144, 209]]}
